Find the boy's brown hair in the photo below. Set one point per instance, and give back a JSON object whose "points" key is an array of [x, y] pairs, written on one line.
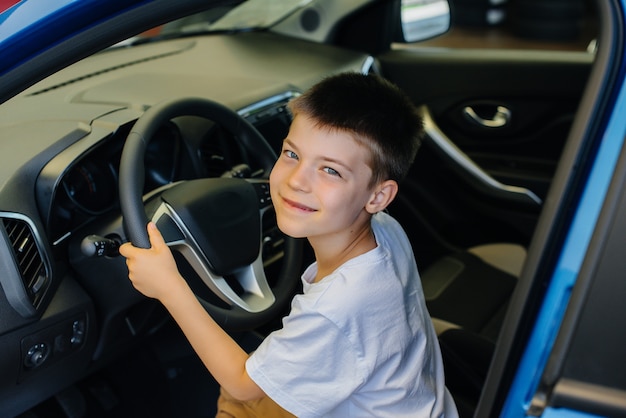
{"points": [[374, 111]]}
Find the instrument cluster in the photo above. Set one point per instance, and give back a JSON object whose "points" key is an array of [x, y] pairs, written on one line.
{"points": [[89, 187]]}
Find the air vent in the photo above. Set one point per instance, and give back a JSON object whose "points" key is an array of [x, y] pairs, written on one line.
{"points": [[29, 261]]}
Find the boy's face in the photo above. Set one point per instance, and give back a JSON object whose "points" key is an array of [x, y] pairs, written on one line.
{"points": [[319, 184]]}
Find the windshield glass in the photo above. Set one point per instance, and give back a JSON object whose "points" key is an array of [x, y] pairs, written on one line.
{"points": [[249, 15]]}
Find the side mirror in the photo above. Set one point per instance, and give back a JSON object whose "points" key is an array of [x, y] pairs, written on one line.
{"points": [[424, 19]]}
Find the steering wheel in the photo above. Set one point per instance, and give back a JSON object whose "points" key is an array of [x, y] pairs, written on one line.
{"points": [[214, 223]]}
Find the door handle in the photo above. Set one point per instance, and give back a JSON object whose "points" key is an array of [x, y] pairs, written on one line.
{"points": [[500, 118]]}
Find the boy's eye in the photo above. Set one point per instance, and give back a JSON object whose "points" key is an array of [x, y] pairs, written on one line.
{"points": [[332, 171], [290, 154]]}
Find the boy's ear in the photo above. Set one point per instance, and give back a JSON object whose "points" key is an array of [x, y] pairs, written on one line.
{"points": [[382, 196]]}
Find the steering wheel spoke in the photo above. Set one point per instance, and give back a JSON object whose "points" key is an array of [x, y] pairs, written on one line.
{"points": [[252, 294]]}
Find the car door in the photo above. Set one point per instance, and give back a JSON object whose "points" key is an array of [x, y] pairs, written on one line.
{"points": [[496, 122]]}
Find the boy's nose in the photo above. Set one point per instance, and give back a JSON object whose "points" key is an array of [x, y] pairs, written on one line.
{"points": [[299, 178]]}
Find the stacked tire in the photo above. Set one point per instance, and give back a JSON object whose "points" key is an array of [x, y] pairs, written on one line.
{"points": [[556, 20]]}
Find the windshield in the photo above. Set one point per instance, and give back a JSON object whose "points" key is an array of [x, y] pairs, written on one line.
{"points": [[249, 15]]}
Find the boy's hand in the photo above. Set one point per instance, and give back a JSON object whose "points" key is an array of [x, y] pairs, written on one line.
{"points": [[152, 271]]}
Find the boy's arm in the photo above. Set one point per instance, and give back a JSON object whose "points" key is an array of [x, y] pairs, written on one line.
{"points": [[221, 355], [154, 273]]}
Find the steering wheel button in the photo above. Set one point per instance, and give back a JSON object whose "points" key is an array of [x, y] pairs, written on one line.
{"points": [[263, 191]]}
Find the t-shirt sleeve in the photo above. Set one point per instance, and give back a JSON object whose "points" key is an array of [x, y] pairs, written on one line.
{"points": [[308, 367]]}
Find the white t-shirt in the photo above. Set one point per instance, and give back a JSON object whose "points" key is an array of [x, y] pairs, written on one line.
{"points": [[358, 343]]}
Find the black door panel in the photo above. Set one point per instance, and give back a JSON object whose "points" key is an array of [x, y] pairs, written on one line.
{"points": [[523, 151], [508, 113]]}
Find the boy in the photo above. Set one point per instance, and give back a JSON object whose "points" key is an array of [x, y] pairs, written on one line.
{"points": [[359, 341]]}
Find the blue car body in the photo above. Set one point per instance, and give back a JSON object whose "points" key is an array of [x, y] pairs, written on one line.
{"points": [[29, 27]]}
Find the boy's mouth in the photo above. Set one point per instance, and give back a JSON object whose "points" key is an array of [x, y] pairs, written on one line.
{"points": [[296, 205]]}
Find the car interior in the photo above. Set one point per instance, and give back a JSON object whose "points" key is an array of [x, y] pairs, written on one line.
{"points": [[170, 128]]}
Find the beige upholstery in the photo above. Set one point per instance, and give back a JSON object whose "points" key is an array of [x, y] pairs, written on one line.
{"points": [[506, 257]]}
